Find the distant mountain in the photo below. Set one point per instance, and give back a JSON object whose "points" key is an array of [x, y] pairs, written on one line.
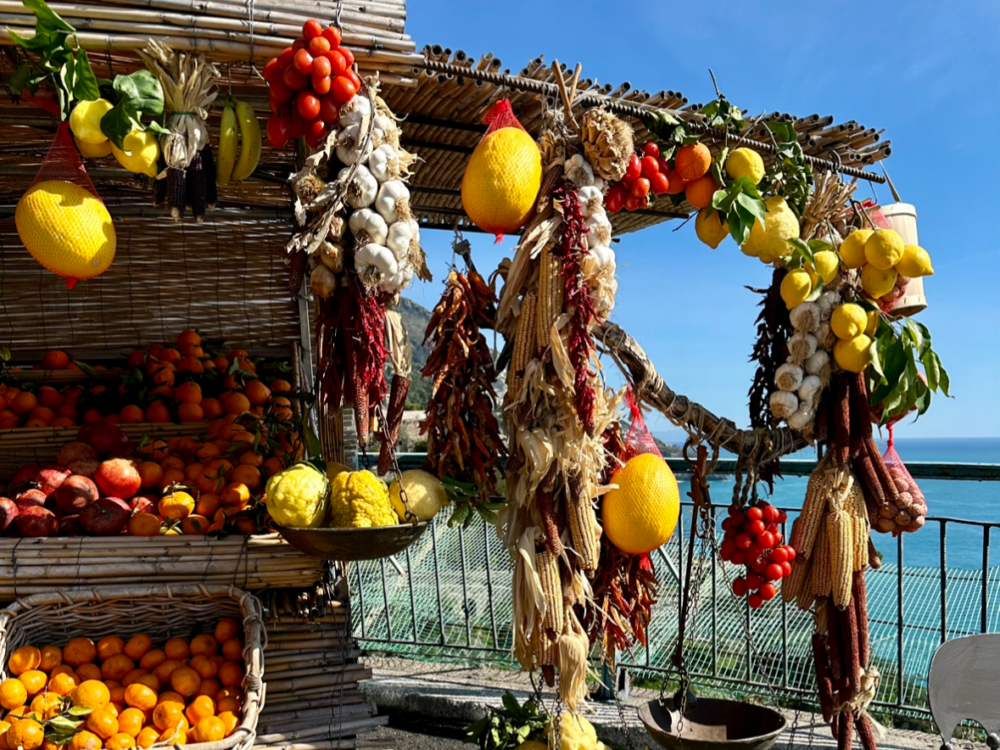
{"points": [[416, 317]]}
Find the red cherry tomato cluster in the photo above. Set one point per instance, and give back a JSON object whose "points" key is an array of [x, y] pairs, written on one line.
{"points": [[647, 175], [308, 83], [754, 539]]}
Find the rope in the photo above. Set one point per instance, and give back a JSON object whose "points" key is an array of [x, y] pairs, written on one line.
{"points": [[250, 14]]}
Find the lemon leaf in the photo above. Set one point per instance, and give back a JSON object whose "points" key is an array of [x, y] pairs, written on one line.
{"points": [[141, 91], [85, 85], [47, 18], [117, 124], [459, 515]]}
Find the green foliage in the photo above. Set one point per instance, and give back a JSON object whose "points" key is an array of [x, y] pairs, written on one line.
{"points": [[803, 254], [740, 202], [59, 730], [465, 497], [722, 115], [134, 95], [669, 133], [790, 177], [507, 727]]}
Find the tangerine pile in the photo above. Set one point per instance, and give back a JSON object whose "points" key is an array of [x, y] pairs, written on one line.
{"points": [[119, 693]]}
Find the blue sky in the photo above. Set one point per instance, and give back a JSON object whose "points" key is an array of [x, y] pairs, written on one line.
{"points": [[927, 72]]}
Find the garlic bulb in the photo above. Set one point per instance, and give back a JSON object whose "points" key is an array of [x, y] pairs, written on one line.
{"points": [[783, 404], [788, 377], [591, 201], [801, 346], [598, 183], [331, 255], [398, 281], [815, 364], [805, 317], [827, 302], [323, 281], [384, 163], [352, 145], [367, 226], [354, 112], [363, 189], [578, 171], [393, 202], [825, 336], [401, 236], [602, 255], [801, 417], [377, 256], [600, 230], [385, 131], [810, 389]]}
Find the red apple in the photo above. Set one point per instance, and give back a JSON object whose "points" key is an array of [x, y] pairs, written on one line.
{"points": [[76, 493], [110, 441], [143, 504], [105, 517], [118, 477], [8, 513], [77, 452], [34, 521], [31, 498], [25, 474], [70, 526], [50, 478]]}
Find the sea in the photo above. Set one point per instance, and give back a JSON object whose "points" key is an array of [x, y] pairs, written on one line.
{"points": [[964, 500]]}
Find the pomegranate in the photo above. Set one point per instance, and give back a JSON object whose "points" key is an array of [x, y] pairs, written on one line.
{"points": [[105, 517], [76, 493], [118, 477], [110, 441], [50, 478], [8, 514], [77, 452], [31, 498], [85, 467], [35, 521], [143, 504], [25, 474], [70, 526]]}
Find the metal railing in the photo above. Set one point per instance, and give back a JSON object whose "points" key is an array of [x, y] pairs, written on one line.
{"points": [[448, 598]]}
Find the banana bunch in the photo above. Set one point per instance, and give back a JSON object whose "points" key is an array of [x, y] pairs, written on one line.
{"points": [[239, 116]]}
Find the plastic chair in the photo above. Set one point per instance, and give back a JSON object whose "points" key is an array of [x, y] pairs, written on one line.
{"points": [[963, 684]]}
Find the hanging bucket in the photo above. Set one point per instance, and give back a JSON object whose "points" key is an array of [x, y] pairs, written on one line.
{"points": [[348, 545], [712, 724], [902, 217]]}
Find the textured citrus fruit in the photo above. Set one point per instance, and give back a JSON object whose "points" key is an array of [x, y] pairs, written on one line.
{"points": [[769, 241], [795, 287], [884, 249], [12, 693], [640, 515], [877, 283], [25, 658]]}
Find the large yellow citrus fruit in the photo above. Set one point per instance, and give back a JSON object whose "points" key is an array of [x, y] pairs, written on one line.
{"points": [[425, 495], [770, 241], [85, 120], [745, 162], [884, 249], [140, 154], [502, 181], [848, 320], [852, 249], [915, 262], [67, 229], [853, 355], [827, 265], [877, 283], [640, 515], [93, 151], [796, 287], [711, 229]]}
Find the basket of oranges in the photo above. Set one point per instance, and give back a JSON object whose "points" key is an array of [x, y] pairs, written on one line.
{"points": [[137, 666]]}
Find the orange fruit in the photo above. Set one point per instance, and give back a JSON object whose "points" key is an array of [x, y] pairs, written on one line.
{"points": [[137, 358], [171, 477], [191, 364], [188, 392], [152, 659], [207, 504], [245, 474], [174, 737], [272, 466], [43, 413], [138, 646], [158, 412], [91, 694], [79, 651], [25, 658], [132, 414], [204, 645], [188, 412], [176, 506], [188, 338], [230, 721], [210, 687], [692, 161], [281, 386], [234, 403], [102, 723], [231, 674], [212, 408], [34, 422], [47, 704], [233, 649], [12, 693], [208, 452], [89, 672], [193, 471], [209, 729], [225, 629], [120, 741], [117, 691], [23, 403], [166, 669], [699, 192], [168, 715], [235, 495], [204, 666], [48, 396], [131, 678], [34, 681], [51, 658], [55, 360], [150, 473], [171, 355], [177, 648], [117, 667], [63, 683], [242, 436], [151, 681], [16, 714], [108, 646], [199, 708], [147, 737], [282, 413], [141, 697], [26, 734], [63, 422], [249, 458], [131, 721], [256, 392], [169, 696], [83, 740], [185, 681], [172, 462]]}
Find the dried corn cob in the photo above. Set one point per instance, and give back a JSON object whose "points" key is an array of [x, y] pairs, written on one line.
{"points": [[845, 734], [865, 732], [822, 667], [524, 342], [176, 192], [208, 163], [547, 566], [551, 292], [874, 559], [806, 526], [792, 586], [859, 603], [860, 528], [821, 571], [861, 420], [197, 189], [840, 539], [545, 502], [583, 527]]}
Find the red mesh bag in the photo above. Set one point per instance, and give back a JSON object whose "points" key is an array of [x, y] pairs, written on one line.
{"points": [[501, 115], [639, 439], [912, 505], [63, 162]]}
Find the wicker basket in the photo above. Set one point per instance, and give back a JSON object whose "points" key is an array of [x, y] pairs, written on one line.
{"points": [[162, 612]]}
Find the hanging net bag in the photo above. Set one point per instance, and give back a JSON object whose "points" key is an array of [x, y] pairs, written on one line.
{"points": [[61, 219], [504, 174], [910, 506]]}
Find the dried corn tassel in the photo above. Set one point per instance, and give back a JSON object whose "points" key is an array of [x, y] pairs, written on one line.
{"points": [[583, 527], [840, 538], [574, 646], [547, 566], [821, 569], [551, 292], [792, 586], [807, 525]]}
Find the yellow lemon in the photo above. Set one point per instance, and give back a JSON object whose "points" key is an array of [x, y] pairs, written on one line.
{"points": [[848, 321], [745, 162], [85, 121], [795, 287], [770, 240], [711, 229], [640, 515], [916, 262], [425, 495], [877, 283], [884, 249], [93, 151], [67, 229], [827, 264], [502, 181], [853, 355], [852, 250], [872, 323], [140, 154]]}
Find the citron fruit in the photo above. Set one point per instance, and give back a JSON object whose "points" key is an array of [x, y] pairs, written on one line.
{"points": [[877, 283], [853, 355], [770, 240], [916, 262], [745, 162], [640, 515], [502, 181], [711, 230], [872, 323], [67, 229], [852, 249], [298, 497], [827, 264], [884, 249], [795, 287], [848, 321], [140, 154], [85, 120], [425, 495]]}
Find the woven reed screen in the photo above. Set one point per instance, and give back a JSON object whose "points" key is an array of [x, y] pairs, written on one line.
{"points": [[226, 277]]}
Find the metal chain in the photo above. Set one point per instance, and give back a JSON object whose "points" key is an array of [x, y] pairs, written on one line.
{"points": [[410, 515]]}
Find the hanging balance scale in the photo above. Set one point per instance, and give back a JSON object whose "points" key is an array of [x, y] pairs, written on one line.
{"points": [[685, 721]]}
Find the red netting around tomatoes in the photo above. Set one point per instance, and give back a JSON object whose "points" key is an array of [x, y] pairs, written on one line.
{"points": [[911, 499], [501, 115], [639, 439], [63, 163]]}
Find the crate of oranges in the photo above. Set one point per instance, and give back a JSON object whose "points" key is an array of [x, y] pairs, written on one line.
{"points": [[150, 666]]}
